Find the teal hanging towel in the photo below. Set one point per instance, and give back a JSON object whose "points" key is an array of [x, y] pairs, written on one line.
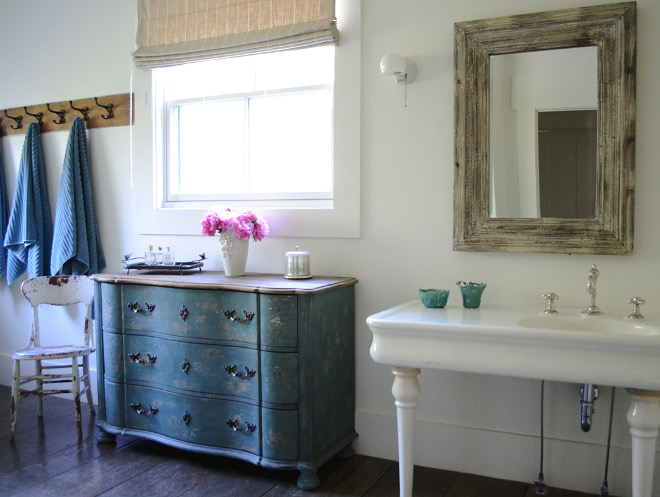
{"points": [[30, 228], [4, 217], [76, 243]]}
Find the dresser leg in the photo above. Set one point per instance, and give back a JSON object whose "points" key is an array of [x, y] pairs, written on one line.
{"points": [[405, 391], [644, 419], [103, 437], [347, 452], [308, 479]]}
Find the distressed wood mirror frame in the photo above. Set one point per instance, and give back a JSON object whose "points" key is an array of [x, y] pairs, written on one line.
{"points": [[612, 28]]}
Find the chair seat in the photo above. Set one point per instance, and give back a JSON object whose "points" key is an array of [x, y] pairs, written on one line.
{"points": [[52, 352]]}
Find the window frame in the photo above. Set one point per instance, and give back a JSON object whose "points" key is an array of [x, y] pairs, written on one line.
{"points": [[342, 220], [171, 199]]}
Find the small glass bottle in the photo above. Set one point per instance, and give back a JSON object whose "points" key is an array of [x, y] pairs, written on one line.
{"points": [[150, 256], [168, 257], [159, 256]]}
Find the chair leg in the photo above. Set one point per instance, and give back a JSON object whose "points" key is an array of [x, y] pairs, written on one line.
{"points": [[88, 382], [40, 389], [15, 394], [75, 383]]}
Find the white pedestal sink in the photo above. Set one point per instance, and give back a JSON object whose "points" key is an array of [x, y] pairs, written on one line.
{"points": [[606, 349]]}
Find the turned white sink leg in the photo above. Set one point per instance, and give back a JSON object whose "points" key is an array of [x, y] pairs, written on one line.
{"points": [[405, 390], [644, 419]]}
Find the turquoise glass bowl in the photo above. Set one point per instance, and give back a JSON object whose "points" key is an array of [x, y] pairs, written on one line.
{"points": [[433, 298], [471, 293]]}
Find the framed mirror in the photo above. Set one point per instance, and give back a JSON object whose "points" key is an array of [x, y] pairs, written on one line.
{"points": [[545, 131]]}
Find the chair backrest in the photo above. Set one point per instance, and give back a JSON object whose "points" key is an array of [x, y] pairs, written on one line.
{"points": [[59, 290]]}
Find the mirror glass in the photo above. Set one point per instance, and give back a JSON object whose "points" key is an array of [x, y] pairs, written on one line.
{"points": [[543, 129], [544, 145]]}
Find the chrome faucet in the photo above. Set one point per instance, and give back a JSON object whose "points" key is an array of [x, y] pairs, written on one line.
{"points": [[591, 290], [636, 313]]}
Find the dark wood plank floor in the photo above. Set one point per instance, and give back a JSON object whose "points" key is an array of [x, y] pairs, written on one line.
{"points": [[47, 460]]}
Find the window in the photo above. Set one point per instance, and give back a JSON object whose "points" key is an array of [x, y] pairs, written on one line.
{"points": [[255, 128], [313, 211]]}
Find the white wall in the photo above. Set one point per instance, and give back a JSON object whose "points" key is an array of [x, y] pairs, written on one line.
{"points": [[488, 425]]}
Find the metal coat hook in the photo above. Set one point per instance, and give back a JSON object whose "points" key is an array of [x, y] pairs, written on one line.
{"points": [[38, 116], [18, 120], [83, 110], [59, 113], [108, 108]]}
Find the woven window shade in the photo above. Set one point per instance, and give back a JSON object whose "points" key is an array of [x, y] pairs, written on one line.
{"points": [[173, 32]]}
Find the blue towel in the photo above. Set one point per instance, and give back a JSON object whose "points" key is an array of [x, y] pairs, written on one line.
{"points": [[76, 243], [4, 215], [30, 228]]}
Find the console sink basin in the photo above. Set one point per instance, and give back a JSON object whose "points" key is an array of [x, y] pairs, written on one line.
{"points": [[606, 349], [575, 320]]}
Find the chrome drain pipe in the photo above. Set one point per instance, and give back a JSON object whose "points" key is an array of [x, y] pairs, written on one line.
{"points": [[589, 393]]}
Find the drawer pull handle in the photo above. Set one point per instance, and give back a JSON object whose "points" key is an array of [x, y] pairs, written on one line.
{"points": [[183, 312], [232, 370], [185, 366], [231, 315], [186, 418], [233, 424], [137, 358], [135, 307], [138, 409]]}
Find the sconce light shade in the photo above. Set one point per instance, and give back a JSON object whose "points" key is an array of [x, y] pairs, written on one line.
{"points": [[402, 68]]}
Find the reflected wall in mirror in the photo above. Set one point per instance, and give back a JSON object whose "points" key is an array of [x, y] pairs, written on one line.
{"points": [[543, 110], [545, 129]]}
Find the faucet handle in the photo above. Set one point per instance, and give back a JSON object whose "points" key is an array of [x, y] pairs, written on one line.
{"points": [[550, 297], [636, 302]]}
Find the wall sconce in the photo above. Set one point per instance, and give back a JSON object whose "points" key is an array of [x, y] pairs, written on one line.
{"points": [[402, 68]]}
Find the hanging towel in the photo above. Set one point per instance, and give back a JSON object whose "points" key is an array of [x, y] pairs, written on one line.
{"points": [[4, 216], [30, 228], [76, 243]]}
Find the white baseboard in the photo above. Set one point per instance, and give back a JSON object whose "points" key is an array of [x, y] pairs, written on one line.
{"points": [[568, 465]]}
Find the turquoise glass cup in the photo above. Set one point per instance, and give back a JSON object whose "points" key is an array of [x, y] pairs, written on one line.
{"points": [[432, 297], [471, 293]]}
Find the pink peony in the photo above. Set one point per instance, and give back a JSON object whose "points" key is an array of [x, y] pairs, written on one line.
{"points": [[210, 224], [261, 229], [245, 224], [243, 227]]}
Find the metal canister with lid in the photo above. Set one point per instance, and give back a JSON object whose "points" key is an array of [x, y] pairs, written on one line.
{"points": [[297, 264]]}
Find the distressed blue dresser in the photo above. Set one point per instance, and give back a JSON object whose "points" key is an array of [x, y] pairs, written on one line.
{"points": [[259, 367]]}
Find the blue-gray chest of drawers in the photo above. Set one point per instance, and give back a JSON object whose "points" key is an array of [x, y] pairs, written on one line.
{"points": [[259, 367]]}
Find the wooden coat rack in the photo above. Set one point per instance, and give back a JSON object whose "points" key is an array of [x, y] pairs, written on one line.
{"points": [[98, 112]]}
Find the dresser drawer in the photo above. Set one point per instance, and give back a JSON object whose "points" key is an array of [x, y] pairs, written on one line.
{"points": [[193, 419], [211, 314], [115, 403], [279, 378], [113, 355], [278, 315], [196, 367], [280, 434]]}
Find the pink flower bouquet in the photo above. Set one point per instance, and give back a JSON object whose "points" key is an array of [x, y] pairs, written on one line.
{"points": [[245, 224]]}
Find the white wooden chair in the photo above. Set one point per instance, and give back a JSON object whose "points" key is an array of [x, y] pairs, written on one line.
{"points": [[61, 291]]}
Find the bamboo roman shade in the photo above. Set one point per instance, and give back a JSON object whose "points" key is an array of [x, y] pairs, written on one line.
{"points": [[173, 32]]}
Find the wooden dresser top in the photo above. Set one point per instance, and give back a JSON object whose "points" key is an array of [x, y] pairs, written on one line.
{"points": [[216, 280]]}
